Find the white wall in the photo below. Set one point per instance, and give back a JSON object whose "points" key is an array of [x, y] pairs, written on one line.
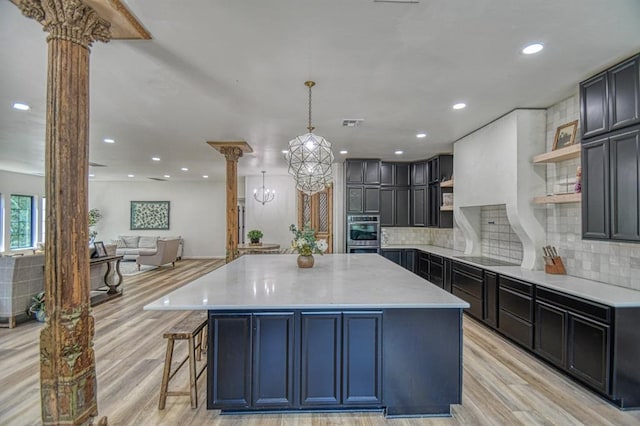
{"points": [[19, 184], [197, 212], [275, 217]]}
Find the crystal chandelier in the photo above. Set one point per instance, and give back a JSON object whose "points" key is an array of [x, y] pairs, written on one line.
{"points": [[262, 194], [310, 158]]}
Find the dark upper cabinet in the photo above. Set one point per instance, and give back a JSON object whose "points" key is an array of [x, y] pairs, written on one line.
{"points": [[624, 94], [395, 174], [594, 111], [371, 199], [419, 173], [611, 185], [355, 199], [365, 172], [610, 100], [402, 207], [419, 206], [624, 151], [363, 199], [387, 172], [433, 206], [387, 207], [595, 189]]}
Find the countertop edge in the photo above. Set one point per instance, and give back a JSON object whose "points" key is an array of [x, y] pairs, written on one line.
{"points": [[518, 271]]}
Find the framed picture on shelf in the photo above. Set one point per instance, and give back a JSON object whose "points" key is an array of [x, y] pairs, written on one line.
{"points": [[100, 250], [149, 215], [565, 135]]}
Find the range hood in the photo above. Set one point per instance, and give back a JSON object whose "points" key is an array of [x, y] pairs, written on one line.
{"points": [[493, 165]]}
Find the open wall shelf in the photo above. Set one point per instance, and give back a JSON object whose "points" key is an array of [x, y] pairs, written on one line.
{"points": [[562, 154], [572, 197]]}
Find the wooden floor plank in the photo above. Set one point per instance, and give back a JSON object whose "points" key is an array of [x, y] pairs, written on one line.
{"points": [[502, 384]]}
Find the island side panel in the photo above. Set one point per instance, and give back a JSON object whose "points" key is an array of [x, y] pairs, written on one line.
{"points": [[422, 361]]}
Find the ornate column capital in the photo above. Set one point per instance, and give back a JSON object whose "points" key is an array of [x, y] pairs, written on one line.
{"points": [[231, 153], [70, 20]]}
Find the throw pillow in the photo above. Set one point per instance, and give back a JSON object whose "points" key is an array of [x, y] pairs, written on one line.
{"points": [[130, 241], [119, 244]]}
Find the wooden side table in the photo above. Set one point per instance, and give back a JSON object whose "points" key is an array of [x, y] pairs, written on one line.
{"points": [[264, 248]]}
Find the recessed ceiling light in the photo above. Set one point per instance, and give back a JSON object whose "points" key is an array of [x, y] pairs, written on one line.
{"points": [[92, 175], [155, 158], [344, 151], [205, 176], [21, 107], [399, 152], [532, 48], [184, 169], [421, 135], [285, 151], [167, 176], [107, 140], [459, 105], [131, 175]]}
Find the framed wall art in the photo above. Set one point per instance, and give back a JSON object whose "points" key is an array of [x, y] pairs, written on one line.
{"points": [[149, 215], [565, 135]]}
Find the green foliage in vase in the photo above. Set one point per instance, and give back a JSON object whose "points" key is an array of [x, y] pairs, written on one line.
{"points": [[305, 242]]}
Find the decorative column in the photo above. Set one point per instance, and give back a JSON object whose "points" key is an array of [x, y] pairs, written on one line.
{"points": [[67, 362], [232, 151]]}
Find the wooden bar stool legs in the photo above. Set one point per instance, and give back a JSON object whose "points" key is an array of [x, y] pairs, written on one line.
{"points": [[192, 329]]}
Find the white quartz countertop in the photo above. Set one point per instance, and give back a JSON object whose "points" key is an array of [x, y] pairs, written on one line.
{"points": [[336, 281], [595, 291]]}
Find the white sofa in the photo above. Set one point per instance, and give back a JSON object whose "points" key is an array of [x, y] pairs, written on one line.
{"points": [[130, 246]]}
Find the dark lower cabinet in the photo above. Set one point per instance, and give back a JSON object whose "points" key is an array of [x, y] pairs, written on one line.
{"points": [[295, 360], [320, 359], [467, 282], [574, 334], [361, 358], [447, 275], [436, 270], [230, 371], [407, 258], [515, 313], [551, 334], [273, 345], [491, 299]]}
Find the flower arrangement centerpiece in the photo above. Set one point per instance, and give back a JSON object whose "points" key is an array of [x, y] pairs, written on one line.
{"points": [[306, 244]]}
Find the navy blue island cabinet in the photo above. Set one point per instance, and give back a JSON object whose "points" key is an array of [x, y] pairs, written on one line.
{"points": [[405, 361]]}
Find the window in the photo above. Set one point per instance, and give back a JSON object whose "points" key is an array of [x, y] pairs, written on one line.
{"points": [[21, 226]]}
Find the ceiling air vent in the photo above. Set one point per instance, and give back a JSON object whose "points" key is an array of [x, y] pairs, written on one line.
{"points": [[352, 122], [158, 179], [92, 164]]}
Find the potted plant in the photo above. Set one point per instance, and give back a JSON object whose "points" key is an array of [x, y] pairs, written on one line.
{"points": [[37, 307], [94, 218], [254, 236]]}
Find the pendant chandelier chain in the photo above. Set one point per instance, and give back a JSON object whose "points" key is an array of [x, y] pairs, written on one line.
{"points": [[310, 84]]}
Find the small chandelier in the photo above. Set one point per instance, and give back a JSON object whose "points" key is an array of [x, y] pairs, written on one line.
{"points": [[262, 194], [310, 158]]}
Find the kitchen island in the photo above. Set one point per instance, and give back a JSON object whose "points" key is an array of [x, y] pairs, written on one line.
{"points": [[354, 332]]}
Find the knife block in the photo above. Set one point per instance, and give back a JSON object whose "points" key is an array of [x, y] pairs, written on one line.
{"points": [[557, 267]]}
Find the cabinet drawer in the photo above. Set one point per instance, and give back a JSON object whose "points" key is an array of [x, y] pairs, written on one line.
{"points": [[516, 304], [476, 303], [516, 285], [517, 329], [575, 304], [436, 259], [468, 283], [468, 269]]}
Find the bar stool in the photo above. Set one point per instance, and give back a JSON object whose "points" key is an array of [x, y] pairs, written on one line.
{"points": [[192, 328]]}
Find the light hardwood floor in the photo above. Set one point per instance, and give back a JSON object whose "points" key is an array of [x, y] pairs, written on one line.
{"points": [[503, 385]]}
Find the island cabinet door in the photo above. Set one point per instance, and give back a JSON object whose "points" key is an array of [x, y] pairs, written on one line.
{"points": [[273, 345], [229, 372], [321, 355], [361, 358]]}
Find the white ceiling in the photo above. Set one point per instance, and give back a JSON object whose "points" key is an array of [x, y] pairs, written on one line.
{"points": [[234, 70]]}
